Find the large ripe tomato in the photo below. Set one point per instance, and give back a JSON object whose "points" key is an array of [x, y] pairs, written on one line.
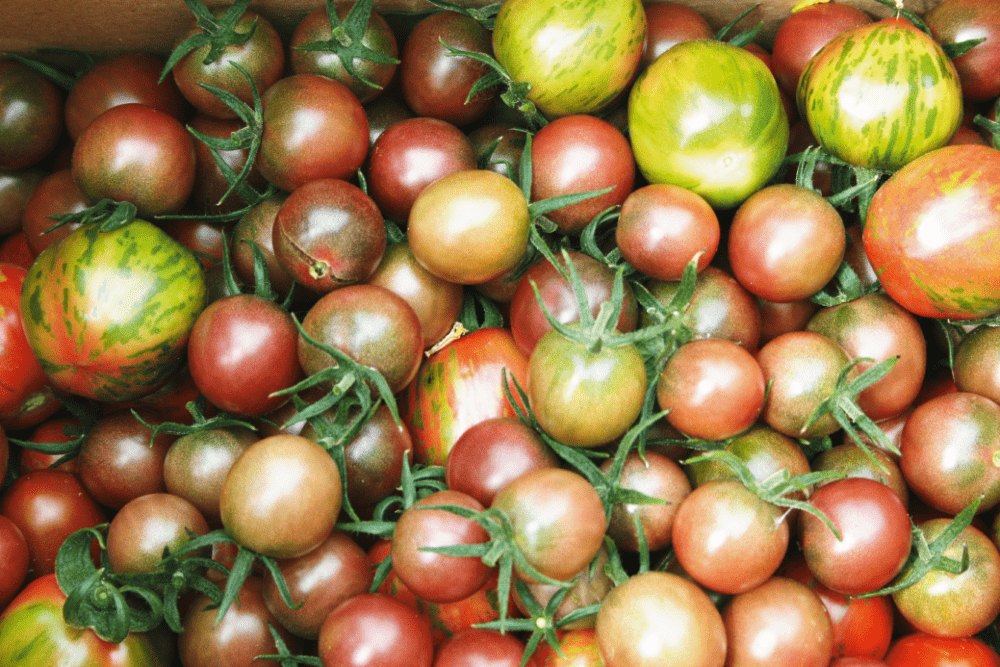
{"points": [[931, 233], [880, 95], [724, 132], [109, 313], [458, 386], [34, 634], [577, 57]]}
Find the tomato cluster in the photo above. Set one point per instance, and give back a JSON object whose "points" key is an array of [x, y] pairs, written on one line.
{"points": [[541, 333]]}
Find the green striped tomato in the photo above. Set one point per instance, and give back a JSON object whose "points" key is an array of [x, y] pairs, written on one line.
{"points": [[108, 314], [932, 233], [880, 95], [577, 55], [707, 116]]}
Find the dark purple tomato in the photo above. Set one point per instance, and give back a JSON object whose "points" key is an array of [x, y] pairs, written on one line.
{"points": [[242, 349], [372, 325], [384, 111], [375, 630], [662, 227], [436, 301], [961, 20], [119, 461], [433, 576], [492, 453], [145, 526], [410, 155], [527, 319], [123, 78], [196, 465], [378, 36], [262, 57], [328, 233], [314, 127], [16, 186], [133, 152], [875, 535], [437, 85], [31, 115], [581, 153], [499, 147], [335, 571]]}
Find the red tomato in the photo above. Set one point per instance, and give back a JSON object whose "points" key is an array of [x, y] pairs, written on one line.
{"points": [[15, 558], [921, 650]]}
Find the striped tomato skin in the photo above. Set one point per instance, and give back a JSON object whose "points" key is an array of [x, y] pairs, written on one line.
{"points": [[880, 95], [577, 55], [108, 314], [932, 233]]}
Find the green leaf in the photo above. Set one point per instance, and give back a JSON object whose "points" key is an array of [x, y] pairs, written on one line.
{"points": [[956, 49], [216, 33]]}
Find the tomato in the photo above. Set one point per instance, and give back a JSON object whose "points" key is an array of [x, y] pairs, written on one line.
{"points": [[32, 632], [669, 23], [458, 386], [658, 618], [954, 605], [804, 32], [123, 78], [378, 36], [439, 577], [16, 186], [56, 194], [257, 225], [436, 302], [948, 446], [282, 496], [930, 233], [764, 452], [479, 647], [721, 136], [143, 527], [491, 454], [880, 95], [314, 127], [48, 506], [923, 650], [786, 242], [578, 646], [16, 558], [50, 430], [877, 464], [661, 227], [975, 363], [713, 388], [374, 630], [371, 325], [118, 333], [437, 85], [581, 153], [577, 57], [875, 327], [22, 381], [262, 56], [335, 571], [133, 152], [470, 226], [327, 234], [31, 115], [658, 477], [875, 535], [410, 155], [961, 20], [779, 623], [228, 340], [589, 587], [557, 520], [210, 182], [582, 397], [527, 319], [727, 538], [243, 633]]}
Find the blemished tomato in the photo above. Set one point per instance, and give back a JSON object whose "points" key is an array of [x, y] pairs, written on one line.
{"points": [[725, 133], [33, 633], [577, 57], [281, 497], [930, 233], [868, 95], [658, 618]]}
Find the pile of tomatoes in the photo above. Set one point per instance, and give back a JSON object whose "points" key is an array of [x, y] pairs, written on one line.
{"points": [[539, 333]]}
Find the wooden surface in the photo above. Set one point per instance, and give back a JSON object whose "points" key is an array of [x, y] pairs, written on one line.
{"points": [[108, 26]]}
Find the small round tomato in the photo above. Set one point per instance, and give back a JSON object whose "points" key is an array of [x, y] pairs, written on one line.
{"points": [[656, 476], [669, 23], [581, 397], [961, 20], [282, 496], [470, 226], [374, 630], [31, 115], [145, 526]]}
